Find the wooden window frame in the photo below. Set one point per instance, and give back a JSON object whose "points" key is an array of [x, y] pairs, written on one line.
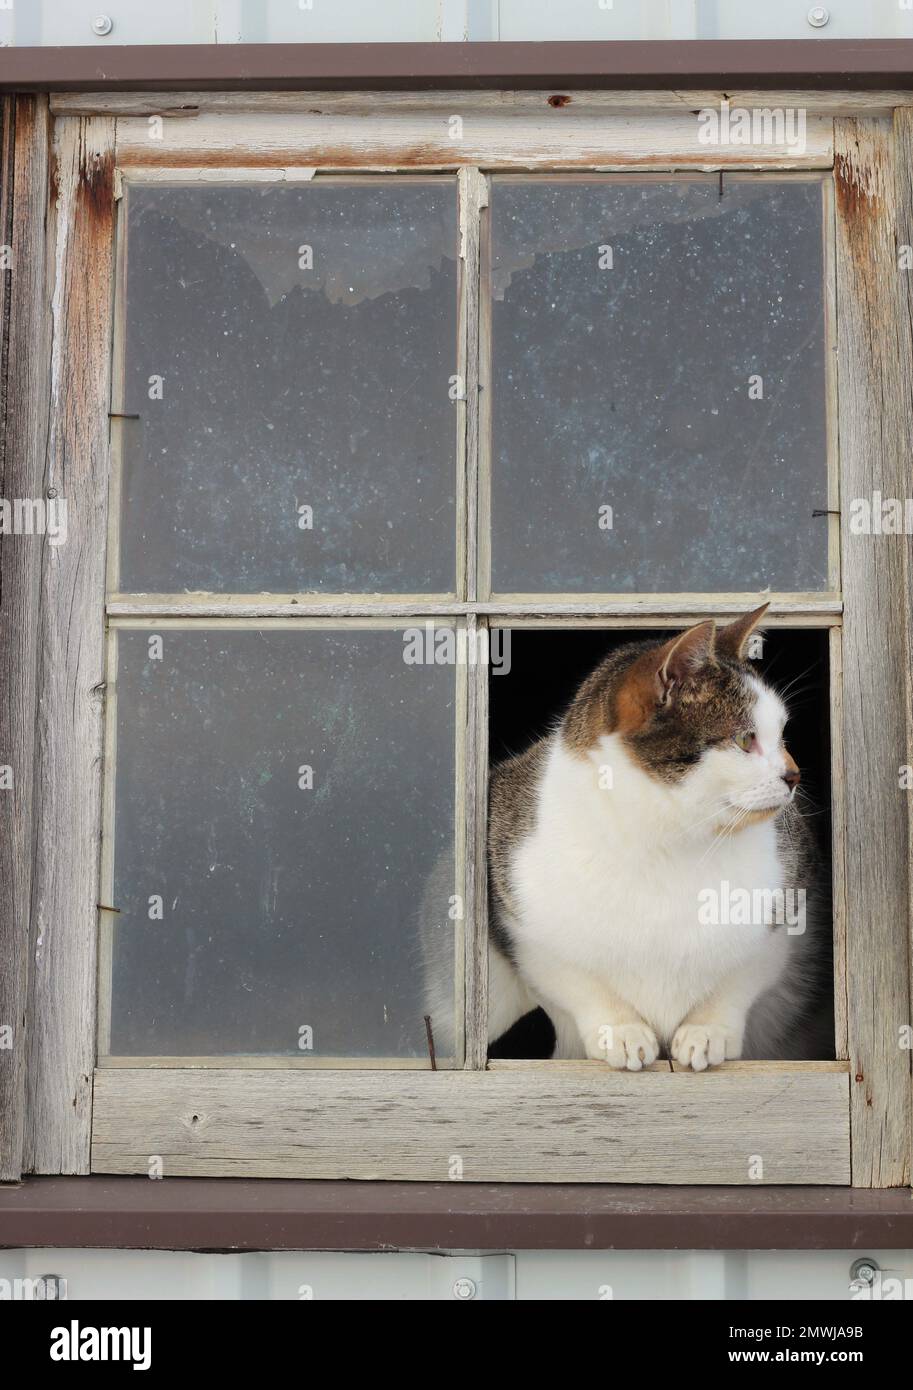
{"points": [[820, 1123]]}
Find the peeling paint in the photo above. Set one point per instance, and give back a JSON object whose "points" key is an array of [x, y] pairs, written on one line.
{"points": [[857, 184]]}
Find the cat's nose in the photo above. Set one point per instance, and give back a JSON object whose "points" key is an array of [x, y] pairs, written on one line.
{"points": [[791, 773]]}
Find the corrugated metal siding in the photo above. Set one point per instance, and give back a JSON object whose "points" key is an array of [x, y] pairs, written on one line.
{"points": [[62, 22], [535, 1275]]}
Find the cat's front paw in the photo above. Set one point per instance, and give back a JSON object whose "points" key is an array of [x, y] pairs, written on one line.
{"points": [[626, 1046], [703, 1045]]}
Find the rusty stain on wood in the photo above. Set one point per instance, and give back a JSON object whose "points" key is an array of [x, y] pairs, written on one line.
{"points": [[405, 134], [857, 185], [71, 654]]}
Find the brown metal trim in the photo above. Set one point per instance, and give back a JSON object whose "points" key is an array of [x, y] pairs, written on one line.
{"points": [[699, 63], [267, 1214]]}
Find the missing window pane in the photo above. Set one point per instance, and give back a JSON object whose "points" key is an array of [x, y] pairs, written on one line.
{"points": [[548, 668]]}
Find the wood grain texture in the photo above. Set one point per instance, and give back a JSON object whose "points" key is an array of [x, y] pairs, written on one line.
{"points": [[71, 667], [875, 403], [474, 743], [467, 291], [7, 155], [903, 192], [406, 136], [228, 173], [13, 937], [475, 934], [189, 105], [582, 1124], [473, 199], [531, 615], [815, 609], [26, 324], [463, 798], [838, 842], [256, 1061]]}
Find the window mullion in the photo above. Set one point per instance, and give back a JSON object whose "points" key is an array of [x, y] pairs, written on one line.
{"points": [[474, 829]]}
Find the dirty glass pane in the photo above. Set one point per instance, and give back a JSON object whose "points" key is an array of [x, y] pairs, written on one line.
{"points": [[282, 844], [658, 385], [289, 351]]}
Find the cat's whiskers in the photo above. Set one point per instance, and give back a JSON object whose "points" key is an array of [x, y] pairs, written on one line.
{"points": [[783, 691], [715, 811], [727, 830]]}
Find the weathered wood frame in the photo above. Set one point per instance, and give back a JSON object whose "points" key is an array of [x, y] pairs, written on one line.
{"points": [[24, 372], [57, 437], [551, 1122]]}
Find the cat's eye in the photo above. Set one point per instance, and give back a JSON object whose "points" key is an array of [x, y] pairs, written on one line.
{"points": [[744, 740]]}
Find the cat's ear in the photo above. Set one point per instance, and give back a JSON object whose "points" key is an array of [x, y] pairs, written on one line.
{"points": [[683, 656], [732, 640]]}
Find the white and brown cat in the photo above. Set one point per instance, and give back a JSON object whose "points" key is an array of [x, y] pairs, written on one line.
{"points": [[665, 789]]}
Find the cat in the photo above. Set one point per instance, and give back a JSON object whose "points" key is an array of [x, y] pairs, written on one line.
{"points": [[653, 885]]}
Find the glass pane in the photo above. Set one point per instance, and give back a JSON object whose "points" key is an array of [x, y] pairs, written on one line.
{"points": [[290, 348], [658, 386], [259, 899]]}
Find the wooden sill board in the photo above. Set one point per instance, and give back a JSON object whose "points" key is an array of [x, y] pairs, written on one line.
{"points": [[577, 1122]]}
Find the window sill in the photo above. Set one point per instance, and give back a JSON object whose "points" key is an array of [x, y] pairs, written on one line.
{"points": [[265, 1214]]}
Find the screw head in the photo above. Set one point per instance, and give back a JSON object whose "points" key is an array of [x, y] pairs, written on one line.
{"points": [[464, 1288], [818, 16], [102, 24], [863, 1271]]}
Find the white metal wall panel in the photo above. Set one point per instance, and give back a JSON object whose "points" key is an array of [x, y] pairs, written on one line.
{"points": [[697, 1274], [351, 21], [62, 22], [65, 22], [69, 22], [525, 1275], [790, 19], [157, 1274], [704, 19], [522, 20]]}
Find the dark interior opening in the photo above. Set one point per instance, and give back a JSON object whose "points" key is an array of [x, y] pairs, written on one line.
{"points": [[546, 667]]}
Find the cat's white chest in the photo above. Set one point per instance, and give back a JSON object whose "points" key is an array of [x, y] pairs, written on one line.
{"points": [[601, 887]]}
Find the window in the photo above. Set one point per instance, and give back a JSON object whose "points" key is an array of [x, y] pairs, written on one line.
{"points": [[375, 392], [287, 427]]}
